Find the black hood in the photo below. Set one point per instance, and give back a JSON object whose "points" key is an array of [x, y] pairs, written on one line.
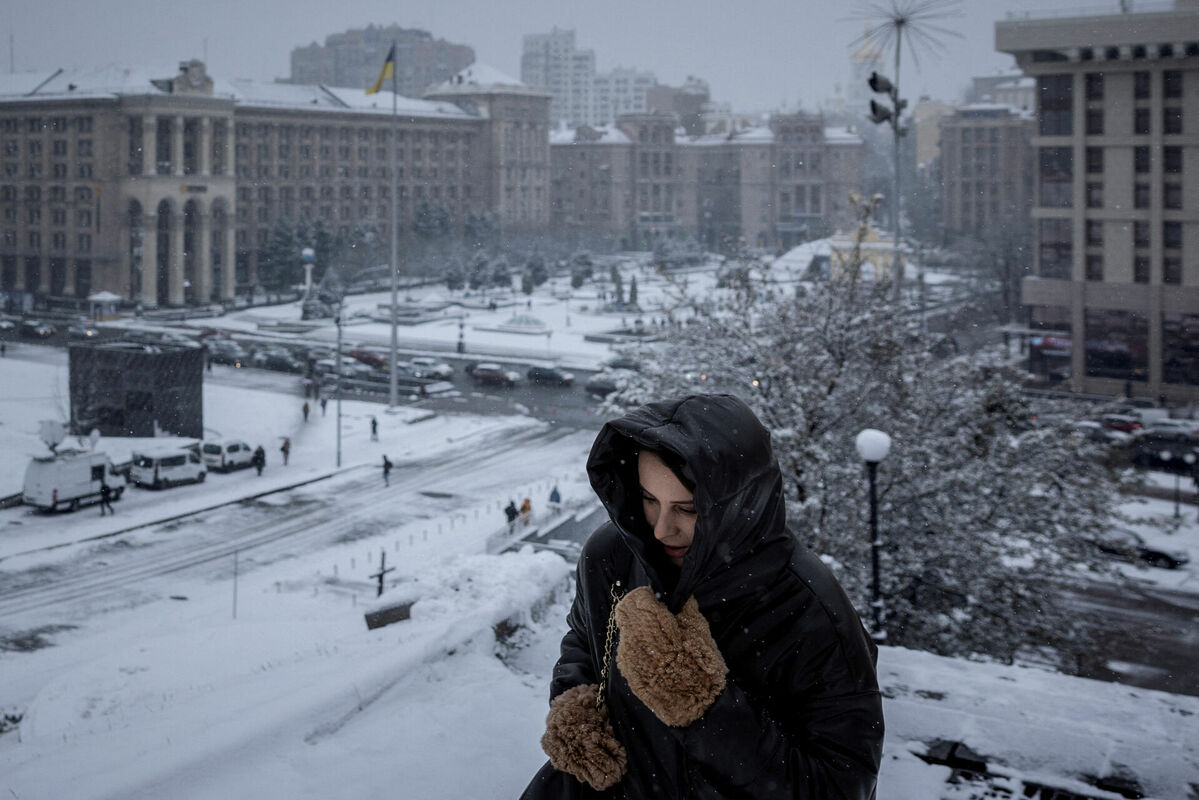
{"points": [[738, 490]]}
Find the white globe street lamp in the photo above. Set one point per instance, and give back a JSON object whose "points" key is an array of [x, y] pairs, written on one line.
{"points": [[873, 446]]}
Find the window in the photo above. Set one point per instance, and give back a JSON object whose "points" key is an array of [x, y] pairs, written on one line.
{"points": [[1172, 119], [84, 148], [1140, 159], [1056, 248], [1140, 85], [59, 147], [1140, 121], [1172, 83], [1140, 269], [1172, 195], [1094, 160], [1094, 267], [1055, 96], [1140, 233], [1057, 176], [1172, 235], [1094, 85], [83, 218], [1094, 233], [1094, 195], [1172, 269], [1172, 160], [1094, 122], [1140, 195]]}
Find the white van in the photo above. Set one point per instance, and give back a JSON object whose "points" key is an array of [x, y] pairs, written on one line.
{"points": [[69, 479], [159, 468], [226, 454]]}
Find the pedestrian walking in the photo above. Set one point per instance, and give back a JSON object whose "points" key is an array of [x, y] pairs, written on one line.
{"points": [[3, 349], [305, 410], [324, 402], [105, 497], [526, 511], [555, 499], [511, 513], [386, 471], [258, 459], [285, 449], [374, 429]]}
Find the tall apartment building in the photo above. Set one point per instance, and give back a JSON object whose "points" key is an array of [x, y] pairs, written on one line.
{"points": [[986, 167], [1116, 215], [164, 189], [551, 61], [352, 59], [772, 186], [581, 96]]}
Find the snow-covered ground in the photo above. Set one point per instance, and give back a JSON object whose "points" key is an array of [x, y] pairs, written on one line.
{"points": [[167, 692]]}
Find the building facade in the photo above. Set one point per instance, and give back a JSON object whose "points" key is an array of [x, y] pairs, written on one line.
{"points": [[986, 167], [1116, 216], [353, 59], [769, 187], [165, 190], [551, 61]]}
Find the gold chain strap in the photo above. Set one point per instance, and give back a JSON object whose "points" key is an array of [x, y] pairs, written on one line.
{"points": [[608, 637]]}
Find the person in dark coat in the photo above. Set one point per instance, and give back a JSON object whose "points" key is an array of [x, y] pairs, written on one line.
{"points": [[739, 667], [374, 429], [258, 459], [386, 471], [511, 513], [285, 449], [105, 498]]}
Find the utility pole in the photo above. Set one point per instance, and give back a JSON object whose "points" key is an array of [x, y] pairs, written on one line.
{"points": [[879, 114], [394, 391]]}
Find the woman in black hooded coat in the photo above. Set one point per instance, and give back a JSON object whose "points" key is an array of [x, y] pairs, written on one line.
{"points": [[738, 669]]}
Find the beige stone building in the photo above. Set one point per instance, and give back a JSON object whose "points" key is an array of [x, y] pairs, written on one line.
{"points": [[770, 187], [985, 166], [164, 188], [1116, 215]]}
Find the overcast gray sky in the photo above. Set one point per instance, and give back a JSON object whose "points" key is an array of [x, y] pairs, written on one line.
{"points": [[755, 54]]}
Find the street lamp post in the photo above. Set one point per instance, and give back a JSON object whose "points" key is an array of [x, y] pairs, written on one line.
{"points": [[873, 446], [337, 319]]}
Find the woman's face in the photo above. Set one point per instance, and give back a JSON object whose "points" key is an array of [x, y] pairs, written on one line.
{"points": [[669, 506]]}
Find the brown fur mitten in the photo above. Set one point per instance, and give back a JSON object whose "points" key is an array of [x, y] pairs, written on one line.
{"points": [[670, 661], [580, 741]]}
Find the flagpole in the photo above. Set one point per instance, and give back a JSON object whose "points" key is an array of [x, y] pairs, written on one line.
{"points": [[395, 234]]}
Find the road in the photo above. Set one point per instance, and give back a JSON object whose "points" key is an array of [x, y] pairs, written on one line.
{"points": [[131, 569]]}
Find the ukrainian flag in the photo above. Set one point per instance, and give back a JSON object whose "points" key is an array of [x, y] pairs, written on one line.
{"points": [[389, 70]]}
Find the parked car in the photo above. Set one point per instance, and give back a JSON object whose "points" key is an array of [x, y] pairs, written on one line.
{"points": [[600, 385], [82, 330], [168, 467], [7, 324], [226, 455], [554, 376], [429, 367], [1092, 430], [1120, 422], [36, 329], [279, 359], [1187, 426], [623, 362], [1131, 546], [1165, 450], [489, 374], [350, 367], [69, 479], [227, 351], [370, 357]]}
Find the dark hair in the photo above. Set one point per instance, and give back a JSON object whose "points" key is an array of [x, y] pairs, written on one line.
{"points": [[674, 463]]}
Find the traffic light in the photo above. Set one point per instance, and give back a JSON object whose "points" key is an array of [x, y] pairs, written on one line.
{"points": [[879, 83], [879, 113]]}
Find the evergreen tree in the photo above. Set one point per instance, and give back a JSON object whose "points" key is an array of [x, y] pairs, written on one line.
{"points": [[633, 291], [526, 282], [617, 284], [279, 263]]}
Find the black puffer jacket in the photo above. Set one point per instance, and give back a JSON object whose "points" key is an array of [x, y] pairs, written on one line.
{"points": [[801, 713]]}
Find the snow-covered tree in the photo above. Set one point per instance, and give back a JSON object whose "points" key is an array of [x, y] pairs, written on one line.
{"points": [[984, 513]]}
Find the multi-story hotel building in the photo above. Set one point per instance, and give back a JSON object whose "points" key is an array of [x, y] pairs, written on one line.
{"points": [[986, 167], [164, 188], [1116, 215], [770, 187]]}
